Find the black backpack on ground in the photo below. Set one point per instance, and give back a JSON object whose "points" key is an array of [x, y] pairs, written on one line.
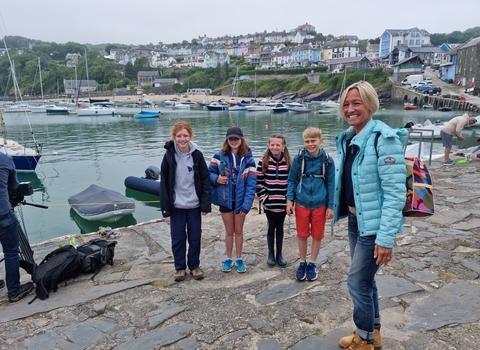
{"points": [[60, 265], [95, 254]]}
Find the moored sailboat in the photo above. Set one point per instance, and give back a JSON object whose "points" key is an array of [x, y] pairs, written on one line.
{"points": [[144, 114], [24, 158], [94, 109]]}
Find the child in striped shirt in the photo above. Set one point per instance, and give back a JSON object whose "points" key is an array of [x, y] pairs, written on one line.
{"points": [[272, 176]]}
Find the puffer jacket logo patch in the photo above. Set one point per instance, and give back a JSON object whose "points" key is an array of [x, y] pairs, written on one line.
{"points": [[390, 160]]}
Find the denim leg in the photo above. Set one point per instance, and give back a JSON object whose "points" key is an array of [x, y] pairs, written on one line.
{"points": [[362, 286], [352, 233], [9, 240], [352, 240], [194, 236], [178, 222]]}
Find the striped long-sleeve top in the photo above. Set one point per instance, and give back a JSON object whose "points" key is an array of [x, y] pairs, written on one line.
{"points": [[272, 185]]}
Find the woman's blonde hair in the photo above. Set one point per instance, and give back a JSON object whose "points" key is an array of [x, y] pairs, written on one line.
{"points": [[368, 94], [286, 153], [179, 126]]}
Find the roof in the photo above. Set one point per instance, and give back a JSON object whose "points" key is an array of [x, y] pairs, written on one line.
{"points": [[470, 43], [72, 84], [413, 59], [348, 60], [148, 73], [398, 32], [427, 49], [166, 80]]}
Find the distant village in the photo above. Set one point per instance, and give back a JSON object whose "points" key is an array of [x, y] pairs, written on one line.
{"points": [[404, 51]]}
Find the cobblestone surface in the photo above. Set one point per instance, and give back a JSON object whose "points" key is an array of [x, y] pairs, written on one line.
{"points": [[430, 294]]}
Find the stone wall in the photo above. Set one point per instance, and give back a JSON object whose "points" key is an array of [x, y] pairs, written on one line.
{"points": [[400, 94]]}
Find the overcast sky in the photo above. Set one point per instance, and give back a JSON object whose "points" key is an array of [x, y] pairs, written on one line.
{"points": [[152, 21]]}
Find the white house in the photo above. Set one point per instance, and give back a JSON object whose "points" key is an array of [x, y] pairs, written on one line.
{"points": [[413, 37]]}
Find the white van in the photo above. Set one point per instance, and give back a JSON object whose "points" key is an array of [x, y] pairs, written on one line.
{"points": [[414, 78]]}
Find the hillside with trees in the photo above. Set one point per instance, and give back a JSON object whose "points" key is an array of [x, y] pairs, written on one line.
{"points": [[24, 54]]}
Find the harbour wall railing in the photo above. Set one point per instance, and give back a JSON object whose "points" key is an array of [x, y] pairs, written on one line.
{"points": [[401, 95]]}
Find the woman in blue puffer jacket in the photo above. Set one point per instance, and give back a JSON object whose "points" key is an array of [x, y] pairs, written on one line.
{"points": [[370, 191], [233, 172]]}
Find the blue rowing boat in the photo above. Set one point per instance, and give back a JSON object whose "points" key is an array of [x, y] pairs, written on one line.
{"points": [[146, 114]]}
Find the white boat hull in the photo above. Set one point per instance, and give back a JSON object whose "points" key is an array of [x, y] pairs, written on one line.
{"points": [[181, 106], [41, 109], [299, 109], [24, 158], [89, 111], [259, 108], [426, 130], [112, 216]]}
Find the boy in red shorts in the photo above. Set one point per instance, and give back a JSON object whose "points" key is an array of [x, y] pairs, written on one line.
{"points": [[311, 183]]}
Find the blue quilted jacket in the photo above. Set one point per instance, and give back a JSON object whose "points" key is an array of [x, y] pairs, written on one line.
{"points": [[246, 182], [378, 180]]}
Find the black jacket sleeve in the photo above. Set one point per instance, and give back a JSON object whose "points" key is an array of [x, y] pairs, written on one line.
{"points": [[167, 179], [204, 191]]}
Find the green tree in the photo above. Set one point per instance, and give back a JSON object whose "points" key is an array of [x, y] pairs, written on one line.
{"points": [[224, 72], [217, 76], [141, 63], [109, 47], [130, 72]]}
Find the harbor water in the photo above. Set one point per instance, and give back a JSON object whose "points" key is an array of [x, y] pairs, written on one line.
{"points": [[80, 151]]}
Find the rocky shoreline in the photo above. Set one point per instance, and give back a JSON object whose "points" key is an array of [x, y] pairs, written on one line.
{"points": [[429, 294]]}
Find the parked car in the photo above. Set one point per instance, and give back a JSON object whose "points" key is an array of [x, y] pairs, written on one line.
{"points": [[456, 97], [420, 83], [430, 89]]}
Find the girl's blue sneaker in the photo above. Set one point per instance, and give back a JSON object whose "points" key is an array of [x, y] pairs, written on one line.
{"points": [[240, 266], [227, 265]]}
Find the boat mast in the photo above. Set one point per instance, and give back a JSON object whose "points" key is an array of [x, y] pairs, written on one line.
{"points": [[14, 80], [234, 84], [88, 79], [41, 83], [15, 84], [4, 132], [343, 85], [140, 92]]}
